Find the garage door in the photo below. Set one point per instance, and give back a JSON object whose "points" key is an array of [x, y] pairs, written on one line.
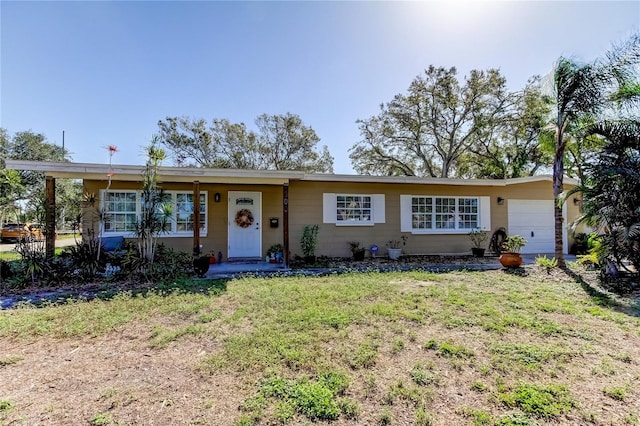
{"points": [[533, 219]]}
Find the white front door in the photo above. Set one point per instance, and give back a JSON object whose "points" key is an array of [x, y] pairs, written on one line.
{"points": [[534, 220], [245, 235]]}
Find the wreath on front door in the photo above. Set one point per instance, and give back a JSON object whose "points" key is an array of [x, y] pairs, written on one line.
{"points": [[244, 218]]}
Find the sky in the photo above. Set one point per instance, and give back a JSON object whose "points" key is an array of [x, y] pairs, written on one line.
{"points": [[105, 72]]}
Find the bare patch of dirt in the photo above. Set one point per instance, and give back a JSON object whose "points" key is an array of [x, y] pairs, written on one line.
{"points": [[66, 382], [121, 376]]}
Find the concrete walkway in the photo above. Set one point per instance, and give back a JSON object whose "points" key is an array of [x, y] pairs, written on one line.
{"points": [[231, 269]]}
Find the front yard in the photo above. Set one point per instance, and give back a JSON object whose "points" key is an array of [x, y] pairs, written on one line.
{"points": [[364, 348]]}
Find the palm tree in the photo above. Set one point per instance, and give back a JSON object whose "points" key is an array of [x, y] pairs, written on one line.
{"points": [[587, 91], [611, 194]]}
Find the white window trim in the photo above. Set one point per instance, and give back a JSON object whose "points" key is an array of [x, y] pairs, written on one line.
{"points": [[174, 213], [103, 200], [330, 215], [406, 223], [172, 221]]}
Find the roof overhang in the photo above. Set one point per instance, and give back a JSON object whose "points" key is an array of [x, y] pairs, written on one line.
{"points": [[415, 180], [134, 173]]}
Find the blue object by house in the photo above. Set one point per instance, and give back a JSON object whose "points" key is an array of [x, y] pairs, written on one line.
{"points": [[112, 243]]}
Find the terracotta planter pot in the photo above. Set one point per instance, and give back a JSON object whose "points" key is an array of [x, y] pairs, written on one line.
{"points": [[510, 260]]}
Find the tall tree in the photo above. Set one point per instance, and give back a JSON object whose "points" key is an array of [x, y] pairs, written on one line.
{"points": [[426, 131], [281, 142], [10, 189], [223, 145], [29, 185], [286, 143], [511, 147], [32, 146], [155, 210], [10, 182], [586, 92], [611, 193]]}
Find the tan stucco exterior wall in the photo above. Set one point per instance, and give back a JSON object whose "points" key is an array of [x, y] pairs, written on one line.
{"points": [[306, 207], [217, 229]]}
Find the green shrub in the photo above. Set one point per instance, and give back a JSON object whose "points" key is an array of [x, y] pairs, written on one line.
{"points": [[8, 360], [617, 393], [365, 356], [542, 401], [275, 387], [478, 417], [449, 349], [386, 417], [284, 411], [545, 262], [588, 260], [101, 419], [516, 419], [399, 390], [338, 382], [479, 386], [316, 401], [309, 240], [349, 408], [5, 405], [86, 258], [514, 243], [422, 375], [398, 345], [423, 418]]}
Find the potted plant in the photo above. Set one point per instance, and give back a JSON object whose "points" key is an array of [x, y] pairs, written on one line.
{"points": [[308, 243], [478, 237], [275, 253], [510, 256], [394, 247], [357, 251]]}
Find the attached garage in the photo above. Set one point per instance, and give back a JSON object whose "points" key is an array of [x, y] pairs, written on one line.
{"points": [[533, 219]]}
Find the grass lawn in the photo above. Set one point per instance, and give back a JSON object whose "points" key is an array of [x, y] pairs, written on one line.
{"points": [[461, 348]]}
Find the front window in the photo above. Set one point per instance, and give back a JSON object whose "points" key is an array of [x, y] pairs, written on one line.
{"points": [[444, 213], [422, 212], [353, 208], [120, 210], [184, 215], [445, 216], [467, 213]]}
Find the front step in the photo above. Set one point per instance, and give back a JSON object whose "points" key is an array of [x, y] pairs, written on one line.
{"points": [[245, 260]]}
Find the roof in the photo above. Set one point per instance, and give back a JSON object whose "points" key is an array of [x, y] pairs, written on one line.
{"points": [[91, 171]]}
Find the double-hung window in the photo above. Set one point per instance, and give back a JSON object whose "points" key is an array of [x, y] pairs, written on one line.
{"points": [[123, 208], [443, 214], [183, 208], [353, 209]]}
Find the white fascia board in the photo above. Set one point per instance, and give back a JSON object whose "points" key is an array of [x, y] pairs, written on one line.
{"points": [[319, 177], [121, 172]]}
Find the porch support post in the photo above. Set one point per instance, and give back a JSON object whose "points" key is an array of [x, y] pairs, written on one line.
{"points": [[285, 224], [50, 217], [196, 217]]}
